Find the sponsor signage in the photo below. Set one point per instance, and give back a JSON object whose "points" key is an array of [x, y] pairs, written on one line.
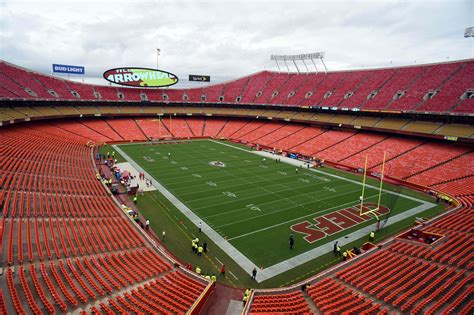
{"points": [[68, 69], [451, 138], [199, 78], [140, 77]]}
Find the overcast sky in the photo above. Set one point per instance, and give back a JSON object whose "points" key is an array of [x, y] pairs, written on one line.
{"points": [[228, 39]]}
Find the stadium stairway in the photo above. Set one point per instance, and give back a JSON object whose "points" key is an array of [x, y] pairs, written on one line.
{"points": [[358, 92], [234, 89], [456, 168], [408, 84], [451, 180], [272, 139], [439, 164], [273, 86], [101, 127], [213, 127], [329, 143], [440, 106], [363, 149], [379, 88]]}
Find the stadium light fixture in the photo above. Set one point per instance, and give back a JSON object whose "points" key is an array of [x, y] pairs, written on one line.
{"points": [[158, 51], [302, 58]]}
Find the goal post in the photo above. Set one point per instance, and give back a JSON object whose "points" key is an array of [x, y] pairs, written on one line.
{"points": [[367, 210]]}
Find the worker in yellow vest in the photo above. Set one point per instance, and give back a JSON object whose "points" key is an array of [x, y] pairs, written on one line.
{"points": [[200, 250], [198, 270]]}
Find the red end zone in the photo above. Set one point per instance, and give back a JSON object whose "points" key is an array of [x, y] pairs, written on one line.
{"points": [[335, 222]]}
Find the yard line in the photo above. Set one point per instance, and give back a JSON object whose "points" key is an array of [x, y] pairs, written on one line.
{"points": [[240, 209], [220, 262], [270, 192], [287, 160], [282, 223], [183, 185], [233, 275]]}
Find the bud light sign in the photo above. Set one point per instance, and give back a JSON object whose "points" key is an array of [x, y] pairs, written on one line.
{"points": [[140, 77], [69, 69]]}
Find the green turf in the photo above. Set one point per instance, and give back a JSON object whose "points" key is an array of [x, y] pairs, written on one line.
{"points": [[227, 198]]}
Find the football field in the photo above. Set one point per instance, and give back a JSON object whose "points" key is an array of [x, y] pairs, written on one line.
{"points": [[254, 204]]}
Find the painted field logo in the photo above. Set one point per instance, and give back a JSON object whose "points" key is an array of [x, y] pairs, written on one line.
{"points": [[217, 163], [335, 222], [140, 77]]}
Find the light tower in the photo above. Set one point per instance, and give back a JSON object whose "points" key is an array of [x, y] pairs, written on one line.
{"points": [[301, 57], [157, 56]]}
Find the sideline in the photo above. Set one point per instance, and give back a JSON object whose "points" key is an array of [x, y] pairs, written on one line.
{"points": [[228, 248]]}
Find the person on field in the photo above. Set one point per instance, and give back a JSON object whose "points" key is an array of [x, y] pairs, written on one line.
{"points": [[198, 270], [291, 241], [254, 274], [372, 236], [147, 224], [222, 271], [200, 250]]}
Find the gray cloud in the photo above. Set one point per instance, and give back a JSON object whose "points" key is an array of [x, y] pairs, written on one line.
{"points": [[227, 39]]}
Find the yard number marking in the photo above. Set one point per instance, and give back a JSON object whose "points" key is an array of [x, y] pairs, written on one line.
{"points": [[253, 207], [148, 159], [229, 194]]}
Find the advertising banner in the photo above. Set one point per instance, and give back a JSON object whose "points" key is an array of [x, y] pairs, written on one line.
{"points": [[68, 69], [199, 78], [140, 77]]}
